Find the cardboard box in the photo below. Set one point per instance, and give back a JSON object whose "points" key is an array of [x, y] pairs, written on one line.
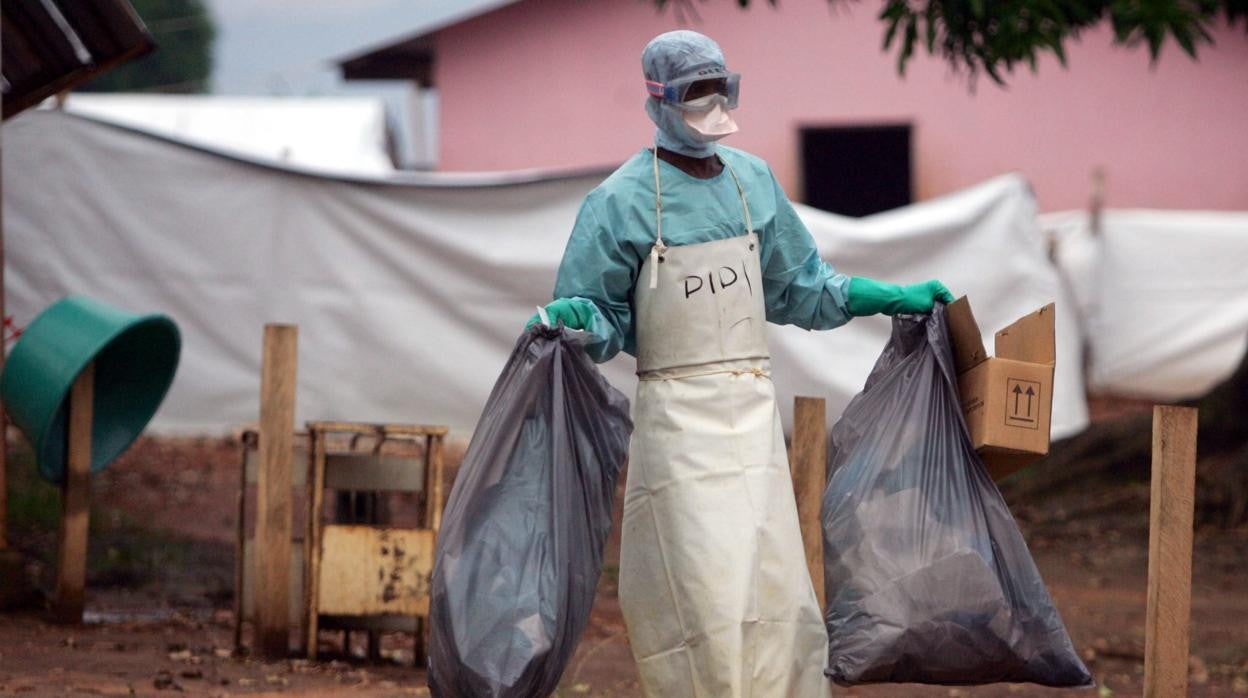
{"points": [[1007, 399]]}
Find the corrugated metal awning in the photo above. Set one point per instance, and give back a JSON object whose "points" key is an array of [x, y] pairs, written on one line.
{"points": [[52, 45]]}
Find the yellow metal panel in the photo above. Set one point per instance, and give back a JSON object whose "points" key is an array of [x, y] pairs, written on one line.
{"points": [[368, 571]]}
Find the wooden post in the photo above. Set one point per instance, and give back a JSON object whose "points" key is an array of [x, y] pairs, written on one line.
{"points": [[71, 567], [809, 464], [1170, 552], [433, 520], [4, 438], [312, 544], [240, 543], [273, 497], [12, 564], [433, 478]]}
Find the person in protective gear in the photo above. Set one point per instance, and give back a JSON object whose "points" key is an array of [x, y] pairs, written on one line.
{"points": [[680, 258]]}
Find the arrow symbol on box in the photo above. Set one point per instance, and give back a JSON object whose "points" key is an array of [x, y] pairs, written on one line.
{"points": [[1018, 392], [1030, 394]]}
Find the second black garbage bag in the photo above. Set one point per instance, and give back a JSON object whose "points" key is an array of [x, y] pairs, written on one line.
{"points": [[520, 548], [927, 576]]}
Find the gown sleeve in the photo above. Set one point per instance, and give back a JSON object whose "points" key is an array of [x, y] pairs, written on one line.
{"points": [[596, 267], [800, 288]]}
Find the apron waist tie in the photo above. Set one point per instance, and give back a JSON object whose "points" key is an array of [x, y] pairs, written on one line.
{"points": [[761, 368]]}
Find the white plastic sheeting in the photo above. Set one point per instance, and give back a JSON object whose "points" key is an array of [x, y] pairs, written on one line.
{"points": [[410, 291], [1163, 295], [348, 135]]}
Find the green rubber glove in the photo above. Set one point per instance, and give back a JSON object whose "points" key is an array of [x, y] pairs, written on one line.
{"points": [[869, 297], [576, 314]]}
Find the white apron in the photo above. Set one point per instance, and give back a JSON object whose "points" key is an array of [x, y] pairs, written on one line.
{"points": [[713, 581]]}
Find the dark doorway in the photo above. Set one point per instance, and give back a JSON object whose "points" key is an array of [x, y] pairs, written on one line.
{"points": [[856, 170]]}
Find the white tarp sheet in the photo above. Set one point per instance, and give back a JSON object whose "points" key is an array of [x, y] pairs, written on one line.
{"points": [[409, 292], [1163, 296], [348, 135]]}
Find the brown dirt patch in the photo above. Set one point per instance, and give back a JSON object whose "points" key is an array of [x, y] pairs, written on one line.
{"points": [[169, 623]]}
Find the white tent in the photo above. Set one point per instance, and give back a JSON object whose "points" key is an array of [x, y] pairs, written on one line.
{"points": [[1163, 297], [347, 135], [410, 290]]}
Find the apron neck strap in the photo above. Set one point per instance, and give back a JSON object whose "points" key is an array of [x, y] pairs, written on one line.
{"points": [[659, 247], [658, 200], [749, 225]]}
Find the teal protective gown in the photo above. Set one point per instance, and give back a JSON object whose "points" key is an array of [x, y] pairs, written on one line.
{"points": [[615, 230]]}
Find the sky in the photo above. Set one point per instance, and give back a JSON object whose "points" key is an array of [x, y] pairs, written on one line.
{"points": [[289, 47]]}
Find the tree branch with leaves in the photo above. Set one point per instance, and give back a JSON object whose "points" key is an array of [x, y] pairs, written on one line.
{"points": [[995, 36], [182, 62]]}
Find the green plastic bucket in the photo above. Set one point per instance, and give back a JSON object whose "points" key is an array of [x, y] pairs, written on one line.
{"points": [[135, 359]]}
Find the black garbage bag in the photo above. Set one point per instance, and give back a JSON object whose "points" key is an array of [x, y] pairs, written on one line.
{"points": [[928, 579], [520, 548]]}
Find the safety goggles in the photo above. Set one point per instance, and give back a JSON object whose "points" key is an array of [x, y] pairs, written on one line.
{"points": [[684, 90]]}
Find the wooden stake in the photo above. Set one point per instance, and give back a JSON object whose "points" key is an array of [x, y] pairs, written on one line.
{"points": [[1171, 507], [312, 544], [4, 439], [240, 542], [4, 464], [809, 463], [71, 569], [433, 482], [273, 497]]}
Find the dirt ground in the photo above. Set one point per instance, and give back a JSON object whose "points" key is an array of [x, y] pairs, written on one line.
{"points": [[162, 565]]}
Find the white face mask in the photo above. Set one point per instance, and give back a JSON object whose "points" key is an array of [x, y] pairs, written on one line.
{"points": [[708, 118]]}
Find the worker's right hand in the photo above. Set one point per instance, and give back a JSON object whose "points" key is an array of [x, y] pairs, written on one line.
{"points": [[574, 313], [868, 297]]}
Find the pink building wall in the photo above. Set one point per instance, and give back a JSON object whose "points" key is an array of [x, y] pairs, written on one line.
{"points": [[557, 83]]}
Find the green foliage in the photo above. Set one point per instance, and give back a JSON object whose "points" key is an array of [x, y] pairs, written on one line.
{"points": [[182, 61], [994, 36]]}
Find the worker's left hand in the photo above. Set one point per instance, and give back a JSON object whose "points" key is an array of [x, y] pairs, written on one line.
{"points": [[868, 297], [574, 313]]}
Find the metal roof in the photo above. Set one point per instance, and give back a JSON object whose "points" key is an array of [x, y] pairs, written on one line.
{"points": [[52, 45]]}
